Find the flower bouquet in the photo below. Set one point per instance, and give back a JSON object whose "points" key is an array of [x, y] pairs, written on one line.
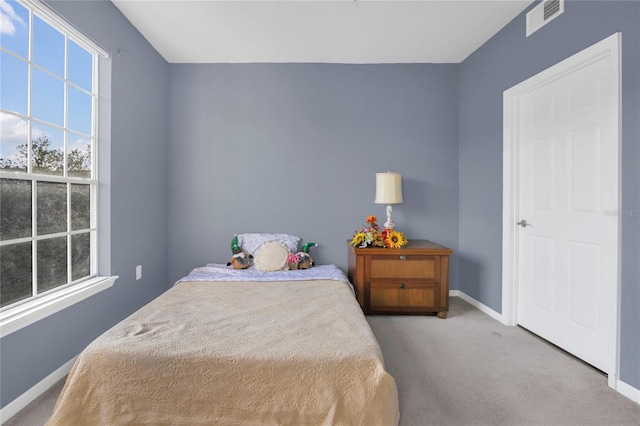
{"points": [[371, 236]]}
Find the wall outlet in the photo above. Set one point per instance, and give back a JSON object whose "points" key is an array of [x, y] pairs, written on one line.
{"points": [[138, 272]]}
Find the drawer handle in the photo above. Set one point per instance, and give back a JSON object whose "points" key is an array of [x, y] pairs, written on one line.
{"points": [[403, 257], [402, 285]]}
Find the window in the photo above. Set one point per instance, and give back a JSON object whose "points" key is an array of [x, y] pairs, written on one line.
{"points": [[48, 156]]}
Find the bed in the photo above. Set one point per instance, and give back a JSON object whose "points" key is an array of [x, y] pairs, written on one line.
{"points": [[228, 347]]}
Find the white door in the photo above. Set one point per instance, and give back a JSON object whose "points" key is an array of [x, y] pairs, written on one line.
{"points": [[568, 195]]}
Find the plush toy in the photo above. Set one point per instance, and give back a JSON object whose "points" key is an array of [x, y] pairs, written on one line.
{"points": [[240, 260], [305, 261]]}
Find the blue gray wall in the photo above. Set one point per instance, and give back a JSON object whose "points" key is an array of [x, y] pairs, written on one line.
{"points": [[140, 80], [295, 147], [504, 61]]}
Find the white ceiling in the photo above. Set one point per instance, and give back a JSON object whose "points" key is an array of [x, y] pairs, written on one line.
{"points": [[343, 31]]}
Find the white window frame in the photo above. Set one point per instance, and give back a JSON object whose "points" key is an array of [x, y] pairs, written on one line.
{"points": [[22, 314]]}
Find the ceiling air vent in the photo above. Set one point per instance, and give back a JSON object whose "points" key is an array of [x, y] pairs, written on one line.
{"points": [[542, 14]]}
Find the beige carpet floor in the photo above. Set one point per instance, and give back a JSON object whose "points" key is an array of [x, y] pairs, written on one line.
{"points": [[470, 370]]}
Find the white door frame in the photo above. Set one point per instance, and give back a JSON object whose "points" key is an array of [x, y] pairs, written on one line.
{"points": [[609, 47]]}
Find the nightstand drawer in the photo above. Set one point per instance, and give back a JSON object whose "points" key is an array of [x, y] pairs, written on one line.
{"points": [[405, 266], [414, 296]]}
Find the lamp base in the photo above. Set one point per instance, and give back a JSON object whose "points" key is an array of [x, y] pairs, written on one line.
{"points": [[389, 223]]}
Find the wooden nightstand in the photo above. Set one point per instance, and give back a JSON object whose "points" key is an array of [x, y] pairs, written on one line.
{"points": [[410, 280]]}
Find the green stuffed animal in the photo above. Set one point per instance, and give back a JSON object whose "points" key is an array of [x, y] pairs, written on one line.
{"points": [[239, 260], [305, 259]]}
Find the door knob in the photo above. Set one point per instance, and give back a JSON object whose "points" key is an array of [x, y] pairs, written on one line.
{"points": [[523, 223]]}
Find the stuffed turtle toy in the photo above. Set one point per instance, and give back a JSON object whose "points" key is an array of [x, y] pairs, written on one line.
{"points": [[305, 260], [239, 260]]}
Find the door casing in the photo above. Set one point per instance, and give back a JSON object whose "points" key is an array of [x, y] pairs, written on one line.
{"points": [[610, 48]]}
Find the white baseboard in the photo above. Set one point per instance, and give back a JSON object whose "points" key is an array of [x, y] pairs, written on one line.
{"points": [[629, 391], [12, 408], [480, 306]]}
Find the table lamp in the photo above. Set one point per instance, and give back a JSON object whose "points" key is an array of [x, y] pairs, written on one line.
{"points": [[388, 191]]}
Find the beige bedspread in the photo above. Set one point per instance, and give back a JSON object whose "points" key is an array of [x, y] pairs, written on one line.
{"points": [[231, 353]]}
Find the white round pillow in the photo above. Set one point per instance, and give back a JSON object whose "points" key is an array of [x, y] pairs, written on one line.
{"points": [[271, 256]]}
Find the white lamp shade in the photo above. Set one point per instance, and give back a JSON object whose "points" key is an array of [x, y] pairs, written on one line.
{"points": [[388, 188]]}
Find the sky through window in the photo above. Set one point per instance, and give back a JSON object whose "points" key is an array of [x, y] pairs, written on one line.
{"points": [[59, 83]]}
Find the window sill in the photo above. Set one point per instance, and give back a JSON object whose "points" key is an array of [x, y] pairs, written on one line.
{"points": [[23, 315]]}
